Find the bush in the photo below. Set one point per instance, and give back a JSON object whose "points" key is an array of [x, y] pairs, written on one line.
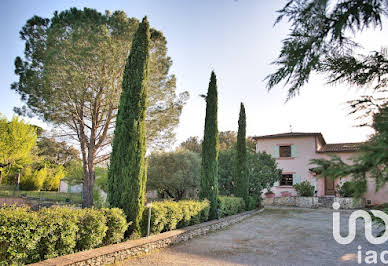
{"points": [[33, 181], [117, 225], [346, 190], [27, 236], [252, 203], [169, 215], [20, 233], [92, 229], [304, 189], [230, 205], [59, 235]]}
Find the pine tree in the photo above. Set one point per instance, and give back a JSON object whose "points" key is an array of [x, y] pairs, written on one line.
{"points": [[128, 171], [241, 182], [209, 166]]}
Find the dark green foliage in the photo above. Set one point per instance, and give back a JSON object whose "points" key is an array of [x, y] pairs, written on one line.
{"points": [[27, 236], [319, 42], [346, 190], [128, 170], [304, 189], [174, 174], [252, 203], [262, 171], [241, 178], [209, 167], [169, 215], [226, 171], [230, 205]]}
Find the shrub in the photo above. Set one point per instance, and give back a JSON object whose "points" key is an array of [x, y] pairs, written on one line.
{"points": [[33, 181], [230, 205], [304, 189], [59, 235], [19, 235], [169, 215], [346, 190], [117, 225], [92, 229], [27, 236], [252, 203]]}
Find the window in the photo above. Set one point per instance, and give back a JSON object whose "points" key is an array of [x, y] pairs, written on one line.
{"points": [[286, 180], [285, 151]]}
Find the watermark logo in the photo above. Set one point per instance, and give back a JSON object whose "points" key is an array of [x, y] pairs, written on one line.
{"points": [[352, 226]]}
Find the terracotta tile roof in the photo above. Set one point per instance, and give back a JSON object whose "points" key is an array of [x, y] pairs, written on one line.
{"points": [[340, 147], [288, 135]]}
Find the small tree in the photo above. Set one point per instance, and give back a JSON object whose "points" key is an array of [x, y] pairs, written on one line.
{"points": [[174, 173], [209, 166], [241, 181], [127, 172]]}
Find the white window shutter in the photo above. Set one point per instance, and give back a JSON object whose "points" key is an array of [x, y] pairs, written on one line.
{"points": [[295, 179], [293, 151], [315, 184], [276, 151]]}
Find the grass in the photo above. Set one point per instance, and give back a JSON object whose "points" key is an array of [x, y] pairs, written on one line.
{"points": [[43, 195]]}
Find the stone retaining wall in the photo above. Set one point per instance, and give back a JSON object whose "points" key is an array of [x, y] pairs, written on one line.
{"points": [[313, 202], [131, 248]]}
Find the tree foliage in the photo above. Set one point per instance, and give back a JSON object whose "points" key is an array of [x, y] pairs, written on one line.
{"points": [[56, 152], [321, 40], [372, 161], [128, 169], [71, 76], [241, 181], [174, 173], [209, 166]]}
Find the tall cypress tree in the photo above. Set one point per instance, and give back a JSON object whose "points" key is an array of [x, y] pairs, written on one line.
{"points": [[209, 166], [241, 182], [128, 171]]}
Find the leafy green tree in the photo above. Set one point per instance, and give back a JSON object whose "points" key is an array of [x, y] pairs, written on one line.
{"points": [[128, 170], [227, 140], [320, 41], [71, 76], [226, 171], [56, 152], [209, 167], [174, 173], [241, 182], [17, 140], [263, 172]]}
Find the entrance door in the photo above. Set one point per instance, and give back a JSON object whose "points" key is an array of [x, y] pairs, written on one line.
{"points": [[329, 186]]}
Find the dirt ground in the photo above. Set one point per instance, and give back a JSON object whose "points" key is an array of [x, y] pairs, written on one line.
{"points": [[273, 237]]}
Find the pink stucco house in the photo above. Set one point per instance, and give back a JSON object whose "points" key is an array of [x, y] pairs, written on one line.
{"points": [[293, 152]]}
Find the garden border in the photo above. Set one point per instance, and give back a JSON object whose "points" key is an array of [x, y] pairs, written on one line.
{"points": [[132, 248]]}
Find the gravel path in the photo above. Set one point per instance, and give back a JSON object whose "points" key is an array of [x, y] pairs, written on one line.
{"points": [[274, 237]]}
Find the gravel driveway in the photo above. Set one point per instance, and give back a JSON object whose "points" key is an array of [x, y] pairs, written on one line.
{"points": [[283, 236]]}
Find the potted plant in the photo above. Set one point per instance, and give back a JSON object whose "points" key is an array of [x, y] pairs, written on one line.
{"points": [[269, 194]]}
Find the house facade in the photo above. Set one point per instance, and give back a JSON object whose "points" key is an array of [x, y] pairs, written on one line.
{"points": [[293, 153]]}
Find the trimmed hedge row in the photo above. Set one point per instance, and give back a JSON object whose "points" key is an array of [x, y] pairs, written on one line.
{"points": [[27, 236], [230, 205], [169, 215]]}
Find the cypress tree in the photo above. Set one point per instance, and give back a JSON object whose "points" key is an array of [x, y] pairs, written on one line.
{"points": [[241, 182], [209, 166], [128, 171]]}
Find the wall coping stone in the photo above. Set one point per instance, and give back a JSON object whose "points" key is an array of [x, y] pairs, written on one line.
{"points": [[124, 250]]}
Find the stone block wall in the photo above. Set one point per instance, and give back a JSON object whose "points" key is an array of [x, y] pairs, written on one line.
{"points": [[313, 202]]}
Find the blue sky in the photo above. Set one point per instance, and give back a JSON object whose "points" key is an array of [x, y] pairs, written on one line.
{"points": [[237, 40]]}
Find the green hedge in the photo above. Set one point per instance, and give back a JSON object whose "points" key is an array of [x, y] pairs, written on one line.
{"points": [[169, 215], [230, 205], [27, 236]]}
